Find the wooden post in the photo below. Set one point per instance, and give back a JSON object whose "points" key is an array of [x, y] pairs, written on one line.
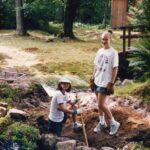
{"points": [[124, 41], [129, 38]]}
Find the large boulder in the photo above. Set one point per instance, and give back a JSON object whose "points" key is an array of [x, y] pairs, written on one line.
{"points": [[66, 145], [48, 142], [3, 111], [3, 104], [106, 148], [85, 148], [126, 82], [18, 114]]}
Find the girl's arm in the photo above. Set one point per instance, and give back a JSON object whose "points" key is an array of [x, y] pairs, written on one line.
{"points": [[93, 73], [61, 107], [114, 74]]}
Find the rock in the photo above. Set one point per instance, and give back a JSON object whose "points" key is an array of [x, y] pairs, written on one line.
{"points": [[48, 142], [8, 145], [18, 114], [118, 82], [142, 135], [66, 145], [3, 104], [129, 146], [126, 82], [62, 139], [3, 111], [85, 148], [42, 124], [106, 148]]}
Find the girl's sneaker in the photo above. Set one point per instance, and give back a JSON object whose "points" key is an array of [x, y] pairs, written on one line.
{"points": [[77, 125], [100, 127], [114, 128]]}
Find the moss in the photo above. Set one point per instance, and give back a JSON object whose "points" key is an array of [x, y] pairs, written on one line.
{"points": [[5, 122]]}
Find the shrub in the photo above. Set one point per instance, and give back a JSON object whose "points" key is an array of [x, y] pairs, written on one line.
{"points": [[7, 93], [23, 134]]}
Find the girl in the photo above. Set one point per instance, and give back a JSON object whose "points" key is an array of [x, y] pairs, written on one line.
{"points": [[104, 75], [58, 110]]}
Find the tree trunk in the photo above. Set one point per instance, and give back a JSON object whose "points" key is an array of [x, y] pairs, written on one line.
{"points": [[70, 14], [20, 28]]}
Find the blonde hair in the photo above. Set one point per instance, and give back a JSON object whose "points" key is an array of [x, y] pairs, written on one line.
{"points": [[108, 32]]}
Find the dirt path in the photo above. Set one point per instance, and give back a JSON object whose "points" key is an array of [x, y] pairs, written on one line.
{"points": [[17, 58]]}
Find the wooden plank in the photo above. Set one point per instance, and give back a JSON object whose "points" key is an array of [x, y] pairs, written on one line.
{"points": [[135, 36]]}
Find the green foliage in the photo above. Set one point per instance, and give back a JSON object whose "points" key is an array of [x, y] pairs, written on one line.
{"points": [[139, 60], [140, 14], [94, 11], [23, 134], [38, 13], [8, 94], [7, 14]]}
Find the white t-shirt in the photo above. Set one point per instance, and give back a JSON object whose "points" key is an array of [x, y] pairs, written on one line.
{"points": [[105, 61], [55, 114]]}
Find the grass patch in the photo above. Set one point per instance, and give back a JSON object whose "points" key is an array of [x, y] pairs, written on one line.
{"points": [[83, 70], [62, 55], [143, 91], [7, 31], [127, 89], [138, 89]]}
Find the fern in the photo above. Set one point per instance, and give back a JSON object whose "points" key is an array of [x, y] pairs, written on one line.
{"points": [[140, 59]]}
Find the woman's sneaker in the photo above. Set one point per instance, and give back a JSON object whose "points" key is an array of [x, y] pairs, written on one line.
{"points": [[100, 127], [114, 128]]}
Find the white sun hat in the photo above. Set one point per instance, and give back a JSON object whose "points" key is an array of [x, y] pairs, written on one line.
{"points": [[65, 80]]}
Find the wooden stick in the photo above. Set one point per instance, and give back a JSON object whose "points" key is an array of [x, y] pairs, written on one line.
{"points": [[84, 131], [83, 126]]}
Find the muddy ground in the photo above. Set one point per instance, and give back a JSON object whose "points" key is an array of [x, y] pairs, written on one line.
{"points": [[132, 125]]}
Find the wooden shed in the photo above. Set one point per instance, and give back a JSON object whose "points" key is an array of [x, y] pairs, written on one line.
{"points": [[119, 12]]}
